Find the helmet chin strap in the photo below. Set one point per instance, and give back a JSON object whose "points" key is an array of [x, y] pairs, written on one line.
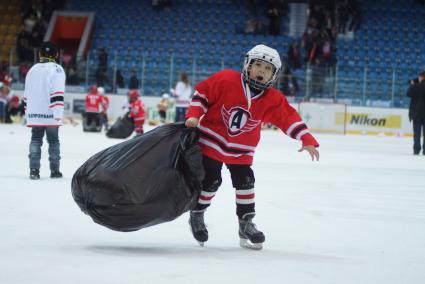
{"points": [[248, 95]]}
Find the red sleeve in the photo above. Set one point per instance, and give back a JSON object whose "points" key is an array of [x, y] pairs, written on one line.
{"points": [[284, 116], [199, 103], [105, 102], [203, 96]]}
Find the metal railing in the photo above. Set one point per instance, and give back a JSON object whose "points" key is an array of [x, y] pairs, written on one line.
{"points": [[157, 74]]}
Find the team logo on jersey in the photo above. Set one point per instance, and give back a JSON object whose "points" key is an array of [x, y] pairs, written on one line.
{"points": [[238, 120]]}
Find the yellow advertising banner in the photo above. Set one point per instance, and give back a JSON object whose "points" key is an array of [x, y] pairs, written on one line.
{"points": [[370, 120]]}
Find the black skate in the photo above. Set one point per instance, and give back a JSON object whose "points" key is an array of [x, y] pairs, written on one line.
{"points": [[35, 174], [197, 226], [250, 236], [56, 174]]}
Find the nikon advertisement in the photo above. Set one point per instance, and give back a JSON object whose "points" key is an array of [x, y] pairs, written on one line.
{"points": [[375, 121]]}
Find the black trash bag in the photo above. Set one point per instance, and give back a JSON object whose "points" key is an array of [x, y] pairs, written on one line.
{"points": [[147, 180], [92, 122], [122, 128]]}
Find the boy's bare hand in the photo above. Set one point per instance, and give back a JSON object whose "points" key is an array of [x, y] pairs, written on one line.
{"points": [[191, 122], [311, 150]]}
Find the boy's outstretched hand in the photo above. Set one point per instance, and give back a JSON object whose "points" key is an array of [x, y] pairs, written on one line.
{"points": [[191, 122], [311, 150]]}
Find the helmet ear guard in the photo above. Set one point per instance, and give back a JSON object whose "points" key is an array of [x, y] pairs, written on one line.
{"points": [[266, 54]]}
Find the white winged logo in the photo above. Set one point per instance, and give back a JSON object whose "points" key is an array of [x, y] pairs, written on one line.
{"points": [[238, 120]]}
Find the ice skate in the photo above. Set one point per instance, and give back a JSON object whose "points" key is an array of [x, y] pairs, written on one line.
{"points": [[197, 227], [250, 236], [35, 174], [56, 174]]}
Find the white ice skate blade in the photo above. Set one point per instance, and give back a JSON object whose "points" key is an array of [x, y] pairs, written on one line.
{"points": [[245, 243], [201, 244]]}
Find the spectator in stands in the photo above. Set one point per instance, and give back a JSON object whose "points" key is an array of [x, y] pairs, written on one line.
{"points": [[159, 5], [310, 36], [416, 93], [355, 15], [72, 76], [274, 13], [183, 93], [102, 56], [327, 51], [134, 82], [101, 77], [290, 85], [294, 56], [343, 16], [250, 26], [119, 79]]}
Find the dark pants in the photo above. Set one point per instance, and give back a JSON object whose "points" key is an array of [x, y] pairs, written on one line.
{"points": [[181, 114], [52, 134], [418, 129], [93, 119], [162, 115], [242, 180]]}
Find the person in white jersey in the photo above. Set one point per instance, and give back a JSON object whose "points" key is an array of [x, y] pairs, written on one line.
{"points": [[44, 103], [183, 93]]}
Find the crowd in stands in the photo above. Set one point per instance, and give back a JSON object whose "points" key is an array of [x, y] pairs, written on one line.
{"points": [[35, 15], [317, 47], [273, 10], [348, 15]]}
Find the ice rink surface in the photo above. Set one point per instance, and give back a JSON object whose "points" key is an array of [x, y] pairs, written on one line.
{"points": [[356, 216]]}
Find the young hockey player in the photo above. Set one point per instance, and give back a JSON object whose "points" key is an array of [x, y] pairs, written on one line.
{"points": [[44, 102], [93, 108], [228, 109], [137, 111]]}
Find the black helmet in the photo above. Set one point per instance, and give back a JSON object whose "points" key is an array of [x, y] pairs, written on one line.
{"points": [[48, 49]]}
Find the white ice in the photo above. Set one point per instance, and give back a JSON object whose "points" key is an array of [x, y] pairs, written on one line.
{"points": [[356, 216]]}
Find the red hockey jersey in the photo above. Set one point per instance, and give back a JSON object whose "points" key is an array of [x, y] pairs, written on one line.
{"points": [[93, 102], [230, 126], [104, 102], [137, 112]]}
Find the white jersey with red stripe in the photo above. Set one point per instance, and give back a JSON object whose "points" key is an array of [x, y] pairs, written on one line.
{"points": [[44, 94], [231, 117]]}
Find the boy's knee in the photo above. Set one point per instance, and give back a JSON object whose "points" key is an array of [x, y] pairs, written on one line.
{"points": [[213, 185], [245, 182]]}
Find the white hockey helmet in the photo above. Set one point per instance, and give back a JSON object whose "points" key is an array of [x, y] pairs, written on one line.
{"points": [[101, 90], [264, 53]]}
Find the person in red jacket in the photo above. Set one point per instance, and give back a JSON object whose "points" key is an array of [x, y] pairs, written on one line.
{"points": [[137, 111], [228, 109], [93, 109]]}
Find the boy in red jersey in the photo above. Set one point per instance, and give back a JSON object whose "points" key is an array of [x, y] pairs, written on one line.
{"points": [[91, 117], [137, 111], [228, 109]]}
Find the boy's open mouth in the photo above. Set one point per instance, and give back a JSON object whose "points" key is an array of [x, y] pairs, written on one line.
{"points": [[260, 78]]}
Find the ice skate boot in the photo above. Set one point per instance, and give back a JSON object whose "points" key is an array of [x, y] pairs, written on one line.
{"points": [[197, 226], [56, 174], [250, 236], [35, 174]]}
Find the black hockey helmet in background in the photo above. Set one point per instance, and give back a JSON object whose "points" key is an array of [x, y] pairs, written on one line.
{"points": [[48, 50]]}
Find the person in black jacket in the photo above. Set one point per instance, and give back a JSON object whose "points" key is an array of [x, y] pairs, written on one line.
{"points": [[417, 112]]}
